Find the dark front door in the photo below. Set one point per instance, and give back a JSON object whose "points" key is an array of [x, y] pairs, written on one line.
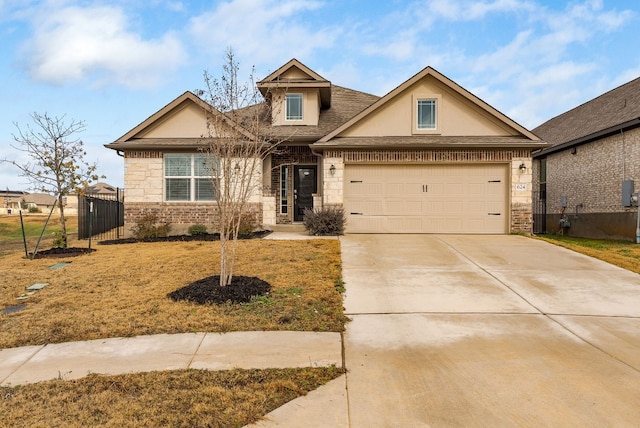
{"points": [[304, 186]]}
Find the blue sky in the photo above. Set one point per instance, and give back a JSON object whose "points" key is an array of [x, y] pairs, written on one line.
{"points": [[114, 63]]}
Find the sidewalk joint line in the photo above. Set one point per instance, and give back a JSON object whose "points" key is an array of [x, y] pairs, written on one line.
{"points": [[23, 363], [193, 356]]}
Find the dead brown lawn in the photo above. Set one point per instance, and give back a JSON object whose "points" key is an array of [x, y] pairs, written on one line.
{"points": [[120, 290], [624, 254], [183, 398]]}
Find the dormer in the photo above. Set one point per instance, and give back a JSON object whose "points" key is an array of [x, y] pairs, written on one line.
{"points": [[297, 94]]}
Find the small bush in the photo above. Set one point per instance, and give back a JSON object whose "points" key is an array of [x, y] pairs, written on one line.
{"points": [[147, 227], [248, 223], [197, 229], [325, 221], [58, 240], [33, 209]]}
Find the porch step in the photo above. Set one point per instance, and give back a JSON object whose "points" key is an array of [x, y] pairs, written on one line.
{"points": [[291, 228]]}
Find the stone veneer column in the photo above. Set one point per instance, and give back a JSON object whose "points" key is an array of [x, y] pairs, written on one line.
{"points": [[333, 193], [521, 196]]}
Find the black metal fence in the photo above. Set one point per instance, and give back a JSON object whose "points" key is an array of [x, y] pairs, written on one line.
{"points": [[540, 211], [101, 216]]}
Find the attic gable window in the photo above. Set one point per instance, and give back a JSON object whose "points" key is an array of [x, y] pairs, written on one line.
{"points": [[293, 106], [426, 114], [187, 177]]}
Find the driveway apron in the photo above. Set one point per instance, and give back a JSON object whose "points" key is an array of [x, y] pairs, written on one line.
{"points": [[452, 330]]}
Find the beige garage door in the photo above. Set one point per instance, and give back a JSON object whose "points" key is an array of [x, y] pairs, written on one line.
{"points": [[426, 198]]}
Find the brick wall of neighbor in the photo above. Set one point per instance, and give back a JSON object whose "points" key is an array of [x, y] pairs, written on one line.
{"points": [[591, 179], [520, 182]]}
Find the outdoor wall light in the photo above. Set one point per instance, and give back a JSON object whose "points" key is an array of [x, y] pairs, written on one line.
{"points": [[236, 169], [522, 168], [332, 169]]}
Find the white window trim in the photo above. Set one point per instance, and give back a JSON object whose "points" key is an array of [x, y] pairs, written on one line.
{"points": [[192, 180], [286, 117], [438, 110]]}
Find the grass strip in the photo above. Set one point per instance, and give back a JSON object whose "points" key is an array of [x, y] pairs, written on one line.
{"points": [[180, 398]]}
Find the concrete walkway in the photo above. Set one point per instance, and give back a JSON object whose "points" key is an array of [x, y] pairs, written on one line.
{"points": [[213, 351]]}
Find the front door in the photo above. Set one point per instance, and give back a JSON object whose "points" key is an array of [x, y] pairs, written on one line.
{"points": [[304, 186]]}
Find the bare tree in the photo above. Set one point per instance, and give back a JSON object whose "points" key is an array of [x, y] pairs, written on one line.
{"points": [[237, 143], [56, 156]]}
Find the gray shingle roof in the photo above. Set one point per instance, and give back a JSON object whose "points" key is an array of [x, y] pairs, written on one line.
{"points": [[609, 110]]}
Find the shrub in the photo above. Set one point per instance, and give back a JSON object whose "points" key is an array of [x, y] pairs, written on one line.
{"points": [[325, 221], [147, 227], [197, 229], [248, 223], [58, 240]]}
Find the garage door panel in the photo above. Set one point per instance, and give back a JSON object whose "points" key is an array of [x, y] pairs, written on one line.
{"points": [[426, 198]]}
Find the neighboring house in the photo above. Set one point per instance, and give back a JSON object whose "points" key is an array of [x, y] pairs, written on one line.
{"points": [[428, 157], [5, 197], [595, 148], [99, 190], [39, 202]]}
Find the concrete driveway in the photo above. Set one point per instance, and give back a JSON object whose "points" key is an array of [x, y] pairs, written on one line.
{"points": [[488, 331]]}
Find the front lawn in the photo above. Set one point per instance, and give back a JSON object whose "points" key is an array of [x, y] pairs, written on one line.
{"points": [[121, 290], [179, 398], [620, 253]]}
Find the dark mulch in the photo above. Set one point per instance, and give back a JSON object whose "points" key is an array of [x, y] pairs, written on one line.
{"points": [[207, 290], [184, 238], [61, 252]]}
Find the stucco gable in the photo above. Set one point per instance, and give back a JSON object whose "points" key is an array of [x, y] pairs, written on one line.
{"points": [[180, 124], [295, 74], [460, 113]]}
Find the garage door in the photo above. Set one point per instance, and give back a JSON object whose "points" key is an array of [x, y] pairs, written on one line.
{"points": [[426, 198]]}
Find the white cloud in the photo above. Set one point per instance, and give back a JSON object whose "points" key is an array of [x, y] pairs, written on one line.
{"points": [[74, 43], [261, 31], [471, 10]]}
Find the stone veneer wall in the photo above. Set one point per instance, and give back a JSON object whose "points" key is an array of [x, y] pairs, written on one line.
{"points": [[144, 180], [520, 199]]}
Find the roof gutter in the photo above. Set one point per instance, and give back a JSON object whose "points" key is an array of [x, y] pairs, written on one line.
{"points": [[633, 123]]}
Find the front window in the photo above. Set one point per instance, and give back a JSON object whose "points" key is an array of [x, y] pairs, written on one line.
{"points": [[293, 106], [187, 177], [426, 114]]}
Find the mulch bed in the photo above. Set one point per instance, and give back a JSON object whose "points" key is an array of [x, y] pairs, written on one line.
{"points": [[207, 290], [61, 252], [184, 238]]}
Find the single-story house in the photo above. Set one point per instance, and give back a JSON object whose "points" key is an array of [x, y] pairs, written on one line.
{"points": [[7, 196], [428, 157], [587, 175], [39, 202]]}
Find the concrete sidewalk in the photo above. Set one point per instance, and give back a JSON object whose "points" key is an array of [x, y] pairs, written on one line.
{"points": [[212, 351]]}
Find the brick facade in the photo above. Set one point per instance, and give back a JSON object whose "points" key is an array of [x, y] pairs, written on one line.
{"points": [[589, 177]]}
